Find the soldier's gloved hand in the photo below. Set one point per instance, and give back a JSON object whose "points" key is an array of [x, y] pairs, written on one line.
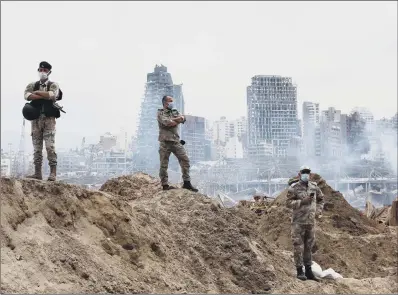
{"points": [[306, 201]]}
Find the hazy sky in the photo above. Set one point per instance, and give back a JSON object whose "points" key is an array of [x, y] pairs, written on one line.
{"points": [[341, 54]]}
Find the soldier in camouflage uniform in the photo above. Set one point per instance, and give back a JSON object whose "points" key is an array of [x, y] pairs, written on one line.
{"points": [[43, 128], [306, 200], [169, 142]]}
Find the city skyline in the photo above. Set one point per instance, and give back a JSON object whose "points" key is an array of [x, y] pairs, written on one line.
{"points": [[122, 133], [341, 64]]}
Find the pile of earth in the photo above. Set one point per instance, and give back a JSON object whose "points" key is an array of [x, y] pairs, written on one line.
{"points": [[130, 188], [57, 238], [346, 240], [131, 237]]}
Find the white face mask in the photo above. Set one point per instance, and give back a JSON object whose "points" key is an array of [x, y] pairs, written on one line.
{"points": [[305, 177], [43, 75]]}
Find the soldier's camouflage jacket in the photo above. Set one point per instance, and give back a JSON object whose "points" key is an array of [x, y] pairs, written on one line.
{"points": [[304, 214], [166, 131]]}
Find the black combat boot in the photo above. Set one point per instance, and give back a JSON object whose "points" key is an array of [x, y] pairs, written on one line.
{"points": [[309, 274], [167, 187], [38, 174], [53, 173], [188, 185], [300, 274]]}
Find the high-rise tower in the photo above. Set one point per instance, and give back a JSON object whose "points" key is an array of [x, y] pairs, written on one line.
{"points": [[272, 112], [159, 83]]}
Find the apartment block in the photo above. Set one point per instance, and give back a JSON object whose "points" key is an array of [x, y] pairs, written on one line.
{"points": [[332, 146], [333, 133], [193, 133], [224, 129], [234, 148], [272, 112], [209, 130], [107, 141], [311, 120], [238, 127], [365, 114], [221, 131]]}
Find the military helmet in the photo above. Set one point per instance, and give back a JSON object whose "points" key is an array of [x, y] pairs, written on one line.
{"points": [[305, 168], [30, 113]]}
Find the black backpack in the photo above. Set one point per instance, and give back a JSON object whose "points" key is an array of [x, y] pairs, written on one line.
{"points": [[37, 87]]}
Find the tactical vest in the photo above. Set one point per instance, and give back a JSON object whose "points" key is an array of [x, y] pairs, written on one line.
{"points": [[46, 106]]}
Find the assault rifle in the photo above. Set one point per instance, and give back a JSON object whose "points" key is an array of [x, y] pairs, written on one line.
{"points": [[58, 107]]}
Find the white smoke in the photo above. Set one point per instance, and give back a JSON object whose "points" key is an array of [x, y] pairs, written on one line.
{"points": [[383, 139]]}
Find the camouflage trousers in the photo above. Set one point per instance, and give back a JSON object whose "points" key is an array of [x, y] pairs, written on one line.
{"points": [[165, 149], [303, 237], [43, 129]]}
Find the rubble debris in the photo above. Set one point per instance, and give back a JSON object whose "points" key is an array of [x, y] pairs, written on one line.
{"points": [[393, 219], [380, 215]]}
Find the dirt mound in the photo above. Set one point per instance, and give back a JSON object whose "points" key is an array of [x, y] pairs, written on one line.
{"points": [[60, 238], [342, 214], [132, 187], [346, 240]]}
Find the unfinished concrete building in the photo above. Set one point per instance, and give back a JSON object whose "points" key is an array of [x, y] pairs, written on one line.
{"points": [[159, 83], [272, 112]]}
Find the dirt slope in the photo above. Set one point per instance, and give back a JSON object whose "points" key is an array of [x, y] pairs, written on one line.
{"points": [[346, 240], [58, 238], [133, 238]]}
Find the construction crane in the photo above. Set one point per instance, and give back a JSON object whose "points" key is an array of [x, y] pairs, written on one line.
{"points": [[20, 160]]}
